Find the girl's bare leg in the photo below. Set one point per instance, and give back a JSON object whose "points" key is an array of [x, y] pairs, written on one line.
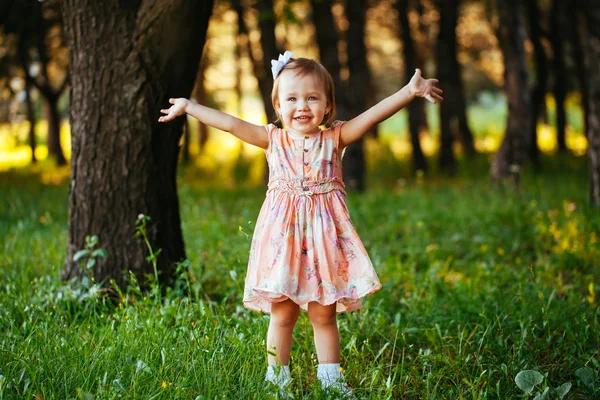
{"points": [[279, 337], [327, 337]]}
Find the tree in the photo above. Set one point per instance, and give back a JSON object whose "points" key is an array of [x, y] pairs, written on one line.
{"points": [[270, 51], [575, 37], [327, 41], [510, 157], [538, 92], [592, 14], [127, 59], [557, 28], [416, 113], [358, 85], [453, 109]]}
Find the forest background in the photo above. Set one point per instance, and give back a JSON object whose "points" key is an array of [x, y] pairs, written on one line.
{"points": [[479, 213]]}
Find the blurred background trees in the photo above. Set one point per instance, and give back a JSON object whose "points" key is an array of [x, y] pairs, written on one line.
{"points": [[520, 82]]}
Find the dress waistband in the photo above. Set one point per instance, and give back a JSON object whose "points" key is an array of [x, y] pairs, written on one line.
{"points": [[306, 188]]}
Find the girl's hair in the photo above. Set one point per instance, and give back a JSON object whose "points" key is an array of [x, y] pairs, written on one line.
{"points": [[306, 66]]}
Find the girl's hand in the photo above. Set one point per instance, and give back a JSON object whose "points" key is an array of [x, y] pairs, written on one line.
{"points": [[177, 109], [424, 87]]}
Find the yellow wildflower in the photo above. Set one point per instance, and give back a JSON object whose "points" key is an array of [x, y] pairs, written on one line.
{"points": [[164, 384]]}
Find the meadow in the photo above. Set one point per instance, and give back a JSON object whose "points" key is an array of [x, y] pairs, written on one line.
{"points": [[480, 285]]}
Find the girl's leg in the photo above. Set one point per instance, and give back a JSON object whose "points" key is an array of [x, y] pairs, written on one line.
{"points": [[327, 337], [327, 342], [279, 337]]}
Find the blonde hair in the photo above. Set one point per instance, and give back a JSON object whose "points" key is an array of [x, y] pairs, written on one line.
{"points": [[306, 66]]}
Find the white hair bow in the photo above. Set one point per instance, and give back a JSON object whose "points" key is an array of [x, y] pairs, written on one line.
{"points": [[277, 65]]}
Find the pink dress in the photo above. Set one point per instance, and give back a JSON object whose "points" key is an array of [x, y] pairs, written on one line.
{"points": [[305, 247]]}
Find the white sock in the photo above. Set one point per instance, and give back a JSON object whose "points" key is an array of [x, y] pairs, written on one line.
{"points": [[328, 374], [279, 375]]}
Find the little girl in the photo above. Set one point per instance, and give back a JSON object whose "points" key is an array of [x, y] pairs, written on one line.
{"points": [[305, 252]]}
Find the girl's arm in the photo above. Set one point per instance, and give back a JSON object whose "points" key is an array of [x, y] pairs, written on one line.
{"points": [[417, 87], [249, 133]]}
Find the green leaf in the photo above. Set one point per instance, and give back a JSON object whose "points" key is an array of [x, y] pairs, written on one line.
{"points": [[586, 375], [526, 380], [90, 264], [91, 241], [80, 254], [563, 389], [100, 253], [542, 396]]}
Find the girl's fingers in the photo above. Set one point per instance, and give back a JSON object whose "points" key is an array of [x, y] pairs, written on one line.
{"points": [[172, 101]]}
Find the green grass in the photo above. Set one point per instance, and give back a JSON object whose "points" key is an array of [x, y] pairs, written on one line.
{"points": [[478, 285]]}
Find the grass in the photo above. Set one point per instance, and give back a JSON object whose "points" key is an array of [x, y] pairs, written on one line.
{"points": [[479, 284]]}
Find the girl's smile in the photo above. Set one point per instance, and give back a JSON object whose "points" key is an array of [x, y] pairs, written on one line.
{"points": [[302, 102]]}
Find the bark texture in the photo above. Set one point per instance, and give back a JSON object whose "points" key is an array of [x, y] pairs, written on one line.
{"points": [[270, 51], [415, 110], [453, 117], [510, 158], [557, 30], [538, 92], [127, 59], [327, 40], [358, 85], [592, 12]]}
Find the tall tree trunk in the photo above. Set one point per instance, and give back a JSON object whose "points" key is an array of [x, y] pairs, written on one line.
{"points": [[32, 120], [354, 159], [577, 47], [415, 108], [185, 147], [592, 13], [538, 92], [510, 158], [199, 94], [270, 51], [327, 40], [127, 59], [560, 74], [446, 52], [53, 118]]}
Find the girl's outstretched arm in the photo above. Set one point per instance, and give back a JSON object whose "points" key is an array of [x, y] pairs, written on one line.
{"points": [[417, 87], [249, 133]]}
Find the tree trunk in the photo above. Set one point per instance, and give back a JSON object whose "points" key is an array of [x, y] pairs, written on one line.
{"points": [[560, 74], [354, 158], [32, 121], [199, 94], [53, 118], [327, 40], [592, 13], [415, 108], [446, 52], [266, 22], [538, 92], [511, 155], [579, 59], [127, 59]]}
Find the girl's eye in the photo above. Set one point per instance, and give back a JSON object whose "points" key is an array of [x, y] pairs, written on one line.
{"points": [[312, 98], [292, 99]]}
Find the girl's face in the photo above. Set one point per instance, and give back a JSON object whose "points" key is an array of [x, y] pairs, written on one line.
{"points": [[301, 102]]}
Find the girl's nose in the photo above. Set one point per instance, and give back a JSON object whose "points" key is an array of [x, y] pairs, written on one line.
{"points": [[302, 104]]}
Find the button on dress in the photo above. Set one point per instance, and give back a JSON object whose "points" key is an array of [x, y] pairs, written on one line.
{"points": [[305, 247]]}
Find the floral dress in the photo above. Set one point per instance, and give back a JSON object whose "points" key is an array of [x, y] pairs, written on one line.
{"points": [[305, 247]]}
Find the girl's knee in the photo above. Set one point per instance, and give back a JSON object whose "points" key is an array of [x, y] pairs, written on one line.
{"points": [[321, 315], [284, 314]]}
